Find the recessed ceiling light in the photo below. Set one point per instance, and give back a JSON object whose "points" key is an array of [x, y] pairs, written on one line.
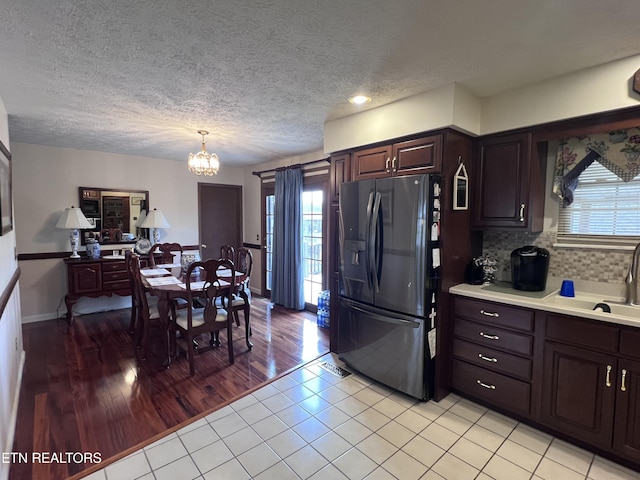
{"points": [[359, 99]]}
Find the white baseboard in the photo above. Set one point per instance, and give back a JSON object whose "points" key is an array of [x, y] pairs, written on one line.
{"points": [[39, 318], [14, 416]]}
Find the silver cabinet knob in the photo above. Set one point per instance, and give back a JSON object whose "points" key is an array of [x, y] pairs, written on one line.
{"points": [[204, 245]]}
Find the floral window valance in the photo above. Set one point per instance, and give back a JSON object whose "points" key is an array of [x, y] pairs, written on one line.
{"points": [[618, 151]]}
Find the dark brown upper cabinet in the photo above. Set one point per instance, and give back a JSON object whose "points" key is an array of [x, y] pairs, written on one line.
{"points": [[411, 157], [508, 183]]}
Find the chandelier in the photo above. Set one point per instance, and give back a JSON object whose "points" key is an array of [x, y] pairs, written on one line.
{"points": [[203, 163]]}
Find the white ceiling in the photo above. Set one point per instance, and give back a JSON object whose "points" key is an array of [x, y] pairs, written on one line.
{"points": [[139, 77]]}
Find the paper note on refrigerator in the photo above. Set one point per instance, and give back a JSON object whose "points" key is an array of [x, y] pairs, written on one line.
{"points": [[431, 336], [436, 257]]}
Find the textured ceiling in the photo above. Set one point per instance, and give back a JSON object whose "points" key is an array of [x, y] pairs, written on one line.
{"points": [[139, 77]]}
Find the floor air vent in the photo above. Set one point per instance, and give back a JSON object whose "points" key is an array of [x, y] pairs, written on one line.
{"points": [[334, 369]]}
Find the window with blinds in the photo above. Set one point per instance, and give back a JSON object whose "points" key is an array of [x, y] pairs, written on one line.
{"points": [[605, 209]]}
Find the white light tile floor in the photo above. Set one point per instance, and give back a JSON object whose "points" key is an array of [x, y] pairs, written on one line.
{"points": [[313, 424]]}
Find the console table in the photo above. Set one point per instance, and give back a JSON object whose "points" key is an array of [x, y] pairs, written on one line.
{"points": [[97, 277]]}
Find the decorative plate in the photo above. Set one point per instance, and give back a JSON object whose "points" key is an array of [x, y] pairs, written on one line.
{"points": [[143, 246]]}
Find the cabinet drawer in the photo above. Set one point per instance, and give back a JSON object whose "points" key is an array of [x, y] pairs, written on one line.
{"points": [[493, 337], [114, 286], [495, 314], [586, 333], [114, 266], [493, 387], [491, 359], [113, 276], [630, 342]]}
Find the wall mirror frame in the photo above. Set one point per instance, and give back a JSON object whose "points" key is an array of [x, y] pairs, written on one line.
{"points": [[115, 213], [461, 188]]}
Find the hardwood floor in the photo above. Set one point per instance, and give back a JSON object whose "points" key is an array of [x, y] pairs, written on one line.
{"points": [[84, 390]]}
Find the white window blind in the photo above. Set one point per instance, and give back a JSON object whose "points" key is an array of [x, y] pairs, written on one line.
{"points": [[604, 210]]}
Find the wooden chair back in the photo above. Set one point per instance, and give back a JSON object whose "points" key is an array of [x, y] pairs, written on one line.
{"points": [[165, 250], [214, 294], [244, 261], [227, 252]]}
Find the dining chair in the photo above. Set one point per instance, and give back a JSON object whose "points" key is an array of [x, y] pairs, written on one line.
{"points": [[134, 294], [242, 296], [227, 252], [165, 250], [147, 306], [213, 318]]}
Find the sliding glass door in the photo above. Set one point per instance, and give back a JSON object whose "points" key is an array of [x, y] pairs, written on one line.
{"points": [[314, 243]]}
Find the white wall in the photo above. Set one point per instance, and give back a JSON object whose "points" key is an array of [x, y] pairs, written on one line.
{"points": [[46, 181], [11, 351], [598, 89], [442, 107]]}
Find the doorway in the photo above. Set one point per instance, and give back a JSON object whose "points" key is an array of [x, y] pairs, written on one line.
{"points": [[219, 217]]}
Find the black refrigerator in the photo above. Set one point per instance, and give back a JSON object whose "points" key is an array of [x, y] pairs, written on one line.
{"points": [[389, 269]]}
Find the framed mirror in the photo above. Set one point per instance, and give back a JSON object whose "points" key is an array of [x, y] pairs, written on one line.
{"points": [[461, 188], [115, 214]]}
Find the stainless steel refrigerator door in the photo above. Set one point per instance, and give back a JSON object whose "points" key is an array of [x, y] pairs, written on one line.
{"points": [[401, 244], [356, 203], [387, 347]]}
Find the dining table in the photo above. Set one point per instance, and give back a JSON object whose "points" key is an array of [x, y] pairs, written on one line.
{"points": [[167, 282]]}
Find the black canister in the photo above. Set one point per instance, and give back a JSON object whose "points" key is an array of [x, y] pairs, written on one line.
{"points": [[529, 268]]}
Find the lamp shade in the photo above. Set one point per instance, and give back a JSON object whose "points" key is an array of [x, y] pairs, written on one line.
{"points": [[73, 218], [155, 219]]}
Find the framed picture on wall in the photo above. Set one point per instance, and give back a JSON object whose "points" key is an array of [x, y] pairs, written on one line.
{"points": [[6, 212]]}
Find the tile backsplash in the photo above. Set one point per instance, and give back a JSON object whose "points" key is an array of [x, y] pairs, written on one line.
{"points": [[575, 263]]}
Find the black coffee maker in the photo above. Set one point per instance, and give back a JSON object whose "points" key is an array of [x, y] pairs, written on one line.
{"points": [[529, 268]]}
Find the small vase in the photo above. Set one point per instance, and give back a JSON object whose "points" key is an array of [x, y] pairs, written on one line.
{"points": [[93, 248]]}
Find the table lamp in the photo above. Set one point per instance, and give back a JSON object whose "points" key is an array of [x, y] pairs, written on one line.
{"points": [[156, 220], [73, 219]]}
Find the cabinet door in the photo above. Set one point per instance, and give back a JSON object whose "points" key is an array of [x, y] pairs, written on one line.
{"points": [[423, 155], [501, 186], [371, 163], [340, 173], [578, 393], [626, 440], [85, 279]]}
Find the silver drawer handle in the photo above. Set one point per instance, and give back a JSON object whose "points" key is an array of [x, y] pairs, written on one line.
{"points": [[488, 359], [490, 337], [489, 314], [486, 385]]}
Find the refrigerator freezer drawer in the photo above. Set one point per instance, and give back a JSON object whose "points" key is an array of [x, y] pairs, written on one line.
{"points": [[386, 347]]}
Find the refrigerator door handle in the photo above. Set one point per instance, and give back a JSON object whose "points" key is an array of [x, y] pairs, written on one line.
{"points": [[368, 238], [374, 254], [396, 320]]}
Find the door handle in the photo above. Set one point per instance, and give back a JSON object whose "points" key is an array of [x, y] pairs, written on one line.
{"points": [[607, 381], [623, 386], [386, 165], [204, 245], [522, 212], [394, 164]]}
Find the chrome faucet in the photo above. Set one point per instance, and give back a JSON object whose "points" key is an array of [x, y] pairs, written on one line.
{"points": [[631, 280]]}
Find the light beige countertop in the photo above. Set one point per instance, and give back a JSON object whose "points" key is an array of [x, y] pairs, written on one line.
{"points": [[587, 295]]}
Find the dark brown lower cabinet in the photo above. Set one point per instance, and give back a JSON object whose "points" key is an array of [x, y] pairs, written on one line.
{"points": [[578, 393], [575, 377], [626, 439]]}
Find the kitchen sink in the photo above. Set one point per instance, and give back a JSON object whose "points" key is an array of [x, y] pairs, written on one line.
{"points": [[588, 302]]}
